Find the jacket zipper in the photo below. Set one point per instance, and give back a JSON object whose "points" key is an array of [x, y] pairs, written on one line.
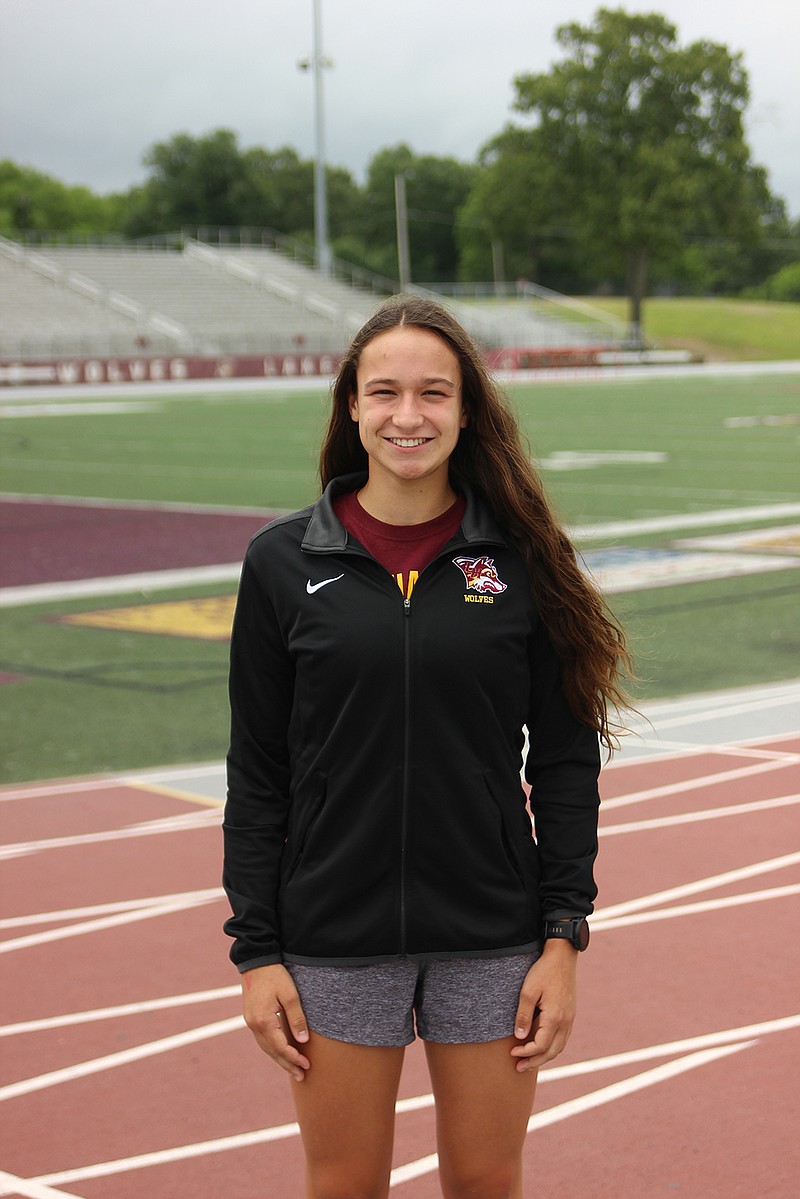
{"points": [[405, 789], [406, 766]]}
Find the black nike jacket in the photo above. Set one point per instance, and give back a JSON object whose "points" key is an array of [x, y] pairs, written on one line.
{"points": [[375, 807]]}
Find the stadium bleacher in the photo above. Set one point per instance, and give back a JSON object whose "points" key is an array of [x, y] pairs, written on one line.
{"points": [[206, 300]]}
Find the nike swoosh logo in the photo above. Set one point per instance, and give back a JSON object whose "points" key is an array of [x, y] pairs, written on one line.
{"points": [[312, 587]]}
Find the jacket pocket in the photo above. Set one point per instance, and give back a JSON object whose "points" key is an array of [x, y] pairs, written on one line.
{"points": [[518, 845], [298, 842]]}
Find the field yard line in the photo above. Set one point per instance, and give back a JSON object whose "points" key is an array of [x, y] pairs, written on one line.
{"points": [[47, 1023], [154, 580], [78, 408], [124, 1057], [694, 909], [77, 501], [95, 926], [106, 909], [642, 826], [703, 780], [417, 1102], [702, 884], [225, 573], [686, 520], [585, 1103]]}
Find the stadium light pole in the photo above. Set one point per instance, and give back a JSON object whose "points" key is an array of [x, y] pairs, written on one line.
{"points": [[318, 62]]}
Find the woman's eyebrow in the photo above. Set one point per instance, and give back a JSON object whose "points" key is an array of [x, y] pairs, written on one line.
{"points": [[425, 382]]}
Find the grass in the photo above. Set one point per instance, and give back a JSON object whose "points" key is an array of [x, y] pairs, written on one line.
{"points": [[97, 699], [718, 330], [259, 449]]}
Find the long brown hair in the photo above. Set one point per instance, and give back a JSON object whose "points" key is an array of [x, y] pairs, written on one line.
{"points": [[490, 458]]}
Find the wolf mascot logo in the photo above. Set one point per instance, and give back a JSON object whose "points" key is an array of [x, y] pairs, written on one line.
{"points": [[481, 575]]}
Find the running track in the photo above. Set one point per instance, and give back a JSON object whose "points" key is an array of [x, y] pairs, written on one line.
{"points": [[128, 1072]]}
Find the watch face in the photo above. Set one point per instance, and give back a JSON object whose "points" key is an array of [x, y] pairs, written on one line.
{"points": [[582, 930]]}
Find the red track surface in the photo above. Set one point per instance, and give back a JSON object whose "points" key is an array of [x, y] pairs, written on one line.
{"points": [[719, 1124], [47, 542]]}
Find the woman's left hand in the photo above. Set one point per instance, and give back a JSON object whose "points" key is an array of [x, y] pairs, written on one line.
{"points": [[547, 1006]]}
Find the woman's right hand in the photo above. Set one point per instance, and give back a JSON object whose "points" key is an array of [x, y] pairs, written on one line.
{"points": [[274, 1015]]}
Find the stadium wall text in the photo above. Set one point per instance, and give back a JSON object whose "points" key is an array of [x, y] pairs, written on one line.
{"points": [[15, 372]]}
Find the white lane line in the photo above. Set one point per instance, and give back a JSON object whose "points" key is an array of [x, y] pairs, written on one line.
{"points": [[181, 1153], [669, 749], [108, 909], [630, 1057], [726, 709], [139, 778], [93, 926], [418, 1102], [29, 791], [110, 1061], [703, 884], [694, 784], [694, 749], [47, 1023], [189, 821], [758, 805], [584, 1103], [694, 909], [31, 1188], [628, 1086]]}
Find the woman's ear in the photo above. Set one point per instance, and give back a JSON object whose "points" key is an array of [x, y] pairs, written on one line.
{"points": [[352, 404], [464, 417]]}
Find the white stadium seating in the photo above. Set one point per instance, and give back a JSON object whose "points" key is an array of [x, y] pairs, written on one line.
{"points": [[73, 300]]}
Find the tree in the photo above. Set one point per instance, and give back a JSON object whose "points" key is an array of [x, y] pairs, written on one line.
{"points": [[513, 223], [209, 180], [435, 189], [32, 202], [645, 141]]}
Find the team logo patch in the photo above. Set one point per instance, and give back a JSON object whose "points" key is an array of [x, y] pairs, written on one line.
{"points": [[482, 577]]}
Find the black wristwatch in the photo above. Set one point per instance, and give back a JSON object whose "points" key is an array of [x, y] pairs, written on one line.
{"points": [[576, 931]]}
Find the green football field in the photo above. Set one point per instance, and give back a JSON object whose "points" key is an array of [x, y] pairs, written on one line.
{"points": [[635, 467]]}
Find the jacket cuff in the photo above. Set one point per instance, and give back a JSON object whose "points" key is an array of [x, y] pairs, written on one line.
{"points": [[253, 963]]}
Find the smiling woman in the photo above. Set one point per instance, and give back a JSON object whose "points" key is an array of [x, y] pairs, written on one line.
{"points": [[410, 412], [391, 644]]}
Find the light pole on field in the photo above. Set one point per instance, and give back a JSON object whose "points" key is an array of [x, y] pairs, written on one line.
{"points": [[317, 63]]}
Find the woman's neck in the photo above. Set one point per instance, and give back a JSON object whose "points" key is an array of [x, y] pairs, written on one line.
{"points": [[406, 503]]}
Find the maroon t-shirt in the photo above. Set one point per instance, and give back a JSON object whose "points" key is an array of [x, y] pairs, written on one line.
{"points": [[405, 550]]}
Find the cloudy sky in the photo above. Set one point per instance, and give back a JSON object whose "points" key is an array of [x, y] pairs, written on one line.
{"points": [[87, 85]]}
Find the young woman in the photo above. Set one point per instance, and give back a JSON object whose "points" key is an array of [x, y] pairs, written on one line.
{"points": [[391, 645]]}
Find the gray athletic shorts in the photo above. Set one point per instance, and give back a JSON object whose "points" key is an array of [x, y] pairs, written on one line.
{"points": [[455, 1001]]}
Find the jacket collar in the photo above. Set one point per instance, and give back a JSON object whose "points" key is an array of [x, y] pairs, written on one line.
{"points": [[325, 533]]}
